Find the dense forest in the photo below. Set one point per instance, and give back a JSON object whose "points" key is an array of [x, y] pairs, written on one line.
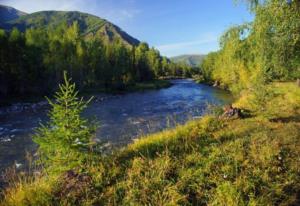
{"points": [[32, 62]]}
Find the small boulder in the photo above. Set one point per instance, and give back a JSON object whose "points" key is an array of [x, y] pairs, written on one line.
{"points": [[231, 112], [216, 84]]}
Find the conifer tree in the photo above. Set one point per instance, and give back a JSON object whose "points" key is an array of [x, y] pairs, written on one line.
{"points": [[67, 138]]}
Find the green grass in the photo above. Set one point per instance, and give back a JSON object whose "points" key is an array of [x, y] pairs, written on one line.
{"points": [[149, 85], [211, 161], [136, 87]]}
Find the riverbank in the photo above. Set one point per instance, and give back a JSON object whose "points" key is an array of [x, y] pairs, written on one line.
{"points": [[199, 79], [208, 161], [35, 103], [149, 85], [140, 86]]}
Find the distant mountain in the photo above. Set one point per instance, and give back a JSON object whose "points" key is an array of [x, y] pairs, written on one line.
{"points": [[191, 60], [89, 25], [8, 13]]}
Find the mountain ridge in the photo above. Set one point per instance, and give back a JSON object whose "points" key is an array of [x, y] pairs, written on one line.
{"points": [[193, 60], [8, 13], [89, 24]]}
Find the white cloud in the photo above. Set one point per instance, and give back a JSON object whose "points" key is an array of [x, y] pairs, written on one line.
{"points": [[129, 13], [202, 44], [180, 45], [31, 6], [68, 5], [118, 15]]}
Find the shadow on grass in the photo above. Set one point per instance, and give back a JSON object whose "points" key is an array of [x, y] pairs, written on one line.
{"points": [[295, 118]]}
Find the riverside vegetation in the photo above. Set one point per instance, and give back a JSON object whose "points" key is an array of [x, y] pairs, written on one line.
{"points": [[211, 161]]}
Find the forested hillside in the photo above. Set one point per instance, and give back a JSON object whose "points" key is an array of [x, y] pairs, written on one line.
{"points": [[190, 60], [36, 49], [88, 25], [8, 13]]}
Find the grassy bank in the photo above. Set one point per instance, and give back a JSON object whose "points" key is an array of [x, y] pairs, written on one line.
{"points": [[136, 87], [140, 86], [211, 161], [149, 85]]}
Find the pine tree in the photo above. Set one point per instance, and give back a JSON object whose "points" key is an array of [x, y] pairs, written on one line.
{"points": [[67, 138]]}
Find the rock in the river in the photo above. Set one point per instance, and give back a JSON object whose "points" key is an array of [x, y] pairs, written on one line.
{"points": [[21, 107], [136, 122], [216, 84], [5, 139], [43, 103], [18, 165]]}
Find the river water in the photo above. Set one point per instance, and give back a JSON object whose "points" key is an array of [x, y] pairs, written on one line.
{"points": [[122, 118]]}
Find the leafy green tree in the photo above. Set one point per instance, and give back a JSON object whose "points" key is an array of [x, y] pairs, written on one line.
{"points": [[3, 63], [209, 65], [16, 61], [36, 45], [277, 38], [96, 63], [265, 50], [154, 62], [164, 66], [143, 70]]}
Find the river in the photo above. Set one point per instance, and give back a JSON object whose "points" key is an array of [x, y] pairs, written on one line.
{"points": [[122, 118]]}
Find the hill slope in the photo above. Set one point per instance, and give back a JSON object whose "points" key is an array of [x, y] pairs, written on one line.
{"points": [[8, 13], [89, 25], [191, 60]]}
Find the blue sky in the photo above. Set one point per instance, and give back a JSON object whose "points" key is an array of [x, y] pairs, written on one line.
{"points": [[172, 26]]}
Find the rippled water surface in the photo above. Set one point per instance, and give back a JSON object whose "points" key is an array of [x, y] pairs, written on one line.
{"points": [[122, 118]]}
